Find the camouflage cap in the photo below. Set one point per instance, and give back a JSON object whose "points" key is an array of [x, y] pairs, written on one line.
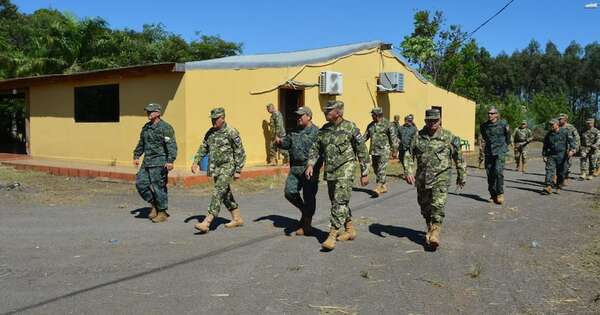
{"points": [[553, 121], [524, 122], [377, 111], [409, 117], [153, 107], [333, 104], [217, 112], [432, 114], [304, 110], [562, 115], [590, 120], [270, 104]]}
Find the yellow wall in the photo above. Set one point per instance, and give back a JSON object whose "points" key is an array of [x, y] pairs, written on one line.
{"points": [[55, 134], [232, 90]]}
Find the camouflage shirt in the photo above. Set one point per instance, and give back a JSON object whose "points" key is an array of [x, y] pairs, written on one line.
{"points": [[383, 138], [590, 140], [522, 135], [339, 146], [558, 143], [298, 144], [225, 151], [433, 155], [574, 134], [276, 123], [157, 144], [496, 137], [405, 133]]}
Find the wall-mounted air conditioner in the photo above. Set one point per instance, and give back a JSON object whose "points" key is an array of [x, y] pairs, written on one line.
{"points": [[331, 83], [390, 82]]}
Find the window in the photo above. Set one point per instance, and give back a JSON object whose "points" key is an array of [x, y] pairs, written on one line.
{"points": [[98, 103]]}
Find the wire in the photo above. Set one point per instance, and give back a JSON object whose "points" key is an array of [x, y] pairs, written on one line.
{"points": [[488, 20]]}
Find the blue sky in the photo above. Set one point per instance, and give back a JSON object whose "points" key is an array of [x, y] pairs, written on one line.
{"points": [[272, 26]]}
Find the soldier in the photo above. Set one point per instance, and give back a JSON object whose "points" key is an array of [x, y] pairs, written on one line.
{"points": [[339, 143], [563, 122], [396, 123], [157, 144], [405, 134], [481, 151], [226, 158], [521, 138], [590, 147], [559, 146], [431, 152], [383, 141], [298, 144], [496, 135], [277, 129]]}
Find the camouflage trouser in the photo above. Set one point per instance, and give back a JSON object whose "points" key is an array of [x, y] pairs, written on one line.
{"points": [[296, 181], [589, 160], [339, 193], [556, 165], [432, 201], [380, 163], [520, 154], [151, 184], [494, 168], [275, 151], [221, 193]]}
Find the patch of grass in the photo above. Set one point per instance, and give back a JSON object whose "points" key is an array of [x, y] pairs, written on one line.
{"points": [[365, 274], [475, 271]]}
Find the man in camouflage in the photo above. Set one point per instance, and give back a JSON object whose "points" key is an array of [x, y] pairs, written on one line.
{"points": [[277, 130], [431, 152], [521, 138], [590, 149], [481, 157], [406, 133], [563, 122], [496, 135], [226, 158], [339, 143], [559, 146], [157, 144], [383, 142], [298, 144], [396, 124]]}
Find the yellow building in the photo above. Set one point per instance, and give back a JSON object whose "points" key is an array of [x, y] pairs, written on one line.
{"points": [[96, 116]]}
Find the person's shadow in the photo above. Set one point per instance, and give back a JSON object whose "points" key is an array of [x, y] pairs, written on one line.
{"points": [[141, 213], [470, 196], [214, 224], [417, 237], [366, 191], [290, 225]]}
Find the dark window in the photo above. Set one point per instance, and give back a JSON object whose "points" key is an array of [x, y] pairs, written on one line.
{"points": [[98, 103]]}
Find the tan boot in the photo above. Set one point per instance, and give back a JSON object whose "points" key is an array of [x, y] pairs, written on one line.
{"points": [[500, 199], [383, 188], [160, 217], [153, 213], [597, 172], [377, 190], [434, 236], [428, 232], [236, 219], [566, 182], [204, 226], [583, 176], [349, 233], [492, 200], [329, 243], [548, 190], [524, 167]]}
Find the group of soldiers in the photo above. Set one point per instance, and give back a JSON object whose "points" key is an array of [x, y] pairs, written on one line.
{"points": [[339, 147]]}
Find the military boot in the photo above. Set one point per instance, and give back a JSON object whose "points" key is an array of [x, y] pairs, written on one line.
{"points": [[492, 199], [153, 213], [548, 190], [349, 233], [204, 226], [383, 188], [500, 199], [524, 167], [597, 172], [377, 190], [434, 236], [236, 219], [583, 176], [160, 217], [329, 243]]}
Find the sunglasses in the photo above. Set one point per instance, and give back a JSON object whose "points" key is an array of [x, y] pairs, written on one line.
{"points": [[492, 113]]}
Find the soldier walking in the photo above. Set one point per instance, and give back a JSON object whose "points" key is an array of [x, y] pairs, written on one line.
{"points": [[590, 149], [383, 142], [496, 135], [559, 146], [563, 122], [406, 132], [432, 151], [277, 130], [339, 143], [298, 144], [226, 158], [157, 144], [521, 138]]}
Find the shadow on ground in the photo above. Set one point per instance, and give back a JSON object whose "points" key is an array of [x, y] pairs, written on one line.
{"points": [[213, 226], [289, 225], [366, 191], [417, 237]]}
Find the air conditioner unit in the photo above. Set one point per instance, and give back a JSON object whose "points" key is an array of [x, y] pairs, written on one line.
{"points": [[391, 82], [331, 83]]}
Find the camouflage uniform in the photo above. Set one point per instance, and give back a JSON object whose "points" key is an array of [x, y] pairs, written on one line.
{"points": [[277, 129], [383, 141], [497, 138], [405, 135], [521, 139], [432, 156], [590, 149], [226, 156], [575, 135], [298, 144], [556, 147], [339, 146], [157, 144]]}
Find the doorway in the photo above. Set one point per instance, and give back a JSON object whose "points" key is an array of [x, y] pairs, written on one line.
{"points": [[289, 101], [13, 119]]}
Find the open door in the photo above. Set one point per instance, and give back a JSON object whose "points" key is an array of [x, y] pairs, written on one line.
{"points": [[289, 101], [14, 119]]}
